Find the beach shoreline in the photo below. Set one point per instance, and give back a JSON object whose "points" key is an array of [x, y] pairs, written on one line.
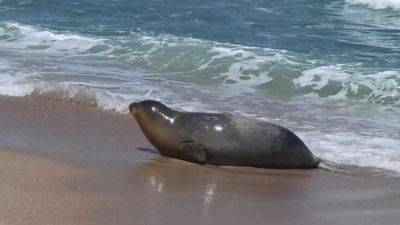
{"points": [[65, 163]]}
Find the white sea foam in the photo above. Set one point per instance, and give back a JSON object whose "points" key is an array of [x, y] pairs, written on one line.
{"points": [[104, 99], [353, 149], [17, 84], [236, 64], [22, 37], [247, 67], [381, 87], [377, 4], [265, 10]]}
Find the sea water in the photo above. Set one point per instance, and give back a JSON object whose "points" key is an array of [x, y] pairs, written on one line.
{"points": [[329, 70]]}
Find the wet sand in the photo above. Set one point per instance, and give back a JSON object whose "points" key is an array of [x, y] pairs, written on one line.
{"points": [[62, 163]]}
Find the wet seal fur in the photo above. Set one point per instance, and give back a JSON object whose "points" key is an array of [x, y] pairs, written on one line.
{"points": [[222, 139]]}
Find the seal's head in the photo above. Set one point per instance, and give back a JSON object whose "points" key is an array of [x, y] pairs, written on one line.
{"points": [[156, 121], [150, 109]]}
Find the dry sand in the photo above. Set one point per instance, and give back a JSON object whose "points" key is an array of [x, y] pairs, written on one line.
{"points": [[68, 164]]}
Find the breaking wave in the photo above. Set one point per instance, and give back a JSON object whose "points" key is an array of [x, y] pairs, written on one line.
{"points": [[377, 4], [114, 63]]}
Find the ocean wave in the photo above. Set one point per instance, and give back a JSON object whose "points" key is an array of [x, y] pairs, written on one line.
{"points": [[200, 60], [15, 85], [335, 82], [15, 36], [64, 92], [151, 58], [377, 4], [164, 55]]}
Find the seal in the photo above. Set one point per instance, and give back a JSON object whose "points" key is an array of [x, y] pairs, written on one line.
{"points": [[221, 139]]}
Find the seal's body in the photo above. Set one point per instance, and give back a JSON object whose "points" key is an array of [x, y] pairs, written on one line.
{"points": [[221, 139]]}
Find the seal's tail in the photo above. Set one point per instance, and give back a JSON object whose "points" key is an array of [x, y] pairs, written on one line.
{"points": [[330, 166]]}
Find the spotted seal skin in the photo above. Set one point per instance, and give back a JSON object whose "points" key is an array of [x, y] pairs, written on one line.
{"points": [[220, 139]]}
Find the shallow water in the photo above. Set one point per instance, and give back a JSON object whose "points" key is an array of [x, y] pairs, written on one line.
{"points": [[329, 70]]}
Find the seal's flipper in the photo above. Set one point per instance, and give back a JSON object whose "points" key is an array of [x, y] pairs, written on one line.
{"points": [[193, 151], [331, 167]]}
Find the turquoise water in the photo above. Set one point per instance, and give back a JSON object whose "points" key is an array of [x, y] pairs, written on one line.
{"points": [[329, 70]]}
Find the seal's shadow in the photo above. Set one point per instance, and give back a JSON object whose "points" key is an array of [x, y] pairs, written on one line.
{"points": [[148, 150]]}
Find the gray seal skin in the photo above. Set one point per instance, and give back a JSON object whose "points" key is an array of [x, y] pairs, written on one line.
{"points": [[220, 139]]}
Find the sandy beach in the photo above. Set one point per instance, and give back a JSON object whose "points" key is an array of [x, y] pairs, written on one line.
{"points": [[65, 163]]}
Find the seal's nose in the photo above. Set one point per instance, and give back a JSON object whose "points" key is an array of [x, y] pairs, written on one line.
{"points": [[132, 108]]}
